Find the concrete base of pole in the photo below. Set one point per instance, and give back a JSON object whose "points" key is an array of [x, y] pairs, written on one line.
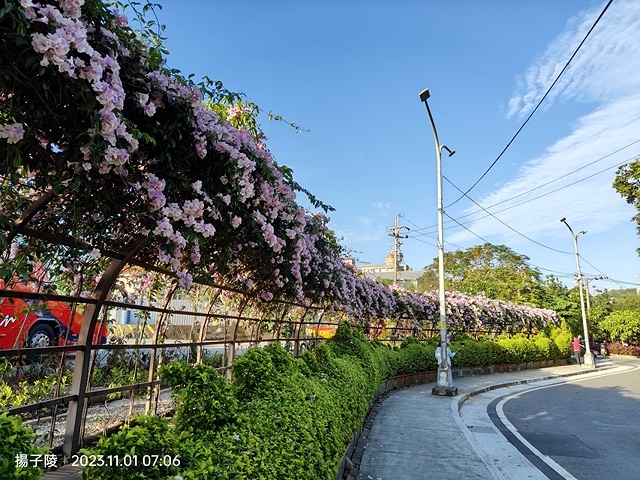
{"points": [[589, 360], [445, 391], [444, 387]]}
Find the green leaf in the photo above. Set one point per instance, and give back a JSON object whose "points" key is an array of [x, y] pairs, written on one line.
{"points": [[7, 8]]}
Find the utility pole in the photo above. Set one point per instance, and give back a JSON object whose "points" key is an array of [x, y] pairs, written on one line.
{"points": [[586, 281], [394, 232]]}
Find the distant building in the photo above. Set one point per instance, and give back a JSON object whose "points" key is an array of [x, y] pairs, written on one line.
{"points": [[387, 266], [407, 277]]}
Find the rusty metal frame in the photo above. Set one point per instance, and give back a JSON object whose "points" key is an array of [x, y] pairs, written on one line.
{"points": [[29, 213], [75, 415], [81, 392], [231, 344], [154, 392], [204, 326]]}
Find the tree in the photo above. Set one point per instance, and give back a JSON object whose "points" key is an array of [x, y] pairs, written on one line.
{"points": [[601, 305], [623, 325], [556, 296], [625, 299], [495, 270], [627, 184]]}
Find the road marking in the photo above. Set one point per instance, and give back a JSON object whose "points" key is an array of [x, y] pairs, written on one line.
{"points": [[549, 461]]}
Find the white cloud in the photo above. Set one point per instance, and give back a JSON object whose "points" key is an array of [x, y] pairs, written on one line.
{"points": [[383, 206], [605, 68], [371, 228], [364, 229], [605, 73]]}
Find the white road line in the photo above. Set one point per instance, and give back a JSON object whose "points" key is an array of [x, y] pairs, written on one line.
{"points": [[549, 461], [502, 459]]}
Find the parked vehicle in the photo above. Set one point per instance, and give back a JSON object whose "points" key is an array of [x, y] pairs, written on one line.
{"points": [[601, 348], [595, 349], [35, 323]]}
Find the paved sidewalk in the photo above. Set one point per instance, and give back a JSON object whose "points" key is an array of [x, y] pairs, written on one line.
{"points": [[417, 435]]}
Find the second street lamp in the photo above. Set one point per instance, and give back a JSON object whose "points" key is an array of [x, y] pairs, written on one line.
{"points": [[589, 361], [586, 289], [444, 385]]}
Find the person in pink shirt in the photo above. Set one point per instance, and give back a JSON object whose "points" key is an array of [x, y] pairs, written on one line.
{"points": [[576, 348]]}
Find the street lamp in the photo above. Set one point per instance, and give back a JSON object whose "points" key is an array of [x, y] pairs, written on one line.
{"points": [[589, 361], [444, 385], [586, 282]]}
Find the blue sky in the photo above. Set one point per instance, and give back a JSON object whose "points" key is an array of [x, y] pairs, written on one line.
{"points": [[350, 72]]}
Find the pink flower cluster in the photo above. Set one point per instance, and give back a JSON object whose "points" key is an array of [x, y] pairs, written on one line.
{"points": [[247, 215], [13, 132], [69, 48], [236, 111]]}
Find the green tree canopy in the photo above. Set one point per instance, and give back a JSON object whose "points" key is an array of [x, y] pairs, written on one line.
{"points": [[495, 270], [627, 184], [623, 325], [558, 297], [625, 299]]}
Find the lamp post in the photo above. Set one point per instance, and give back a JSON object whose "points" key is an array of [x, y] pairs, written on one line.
{"points": [[444, 385], [589, 361], [586, 282]]}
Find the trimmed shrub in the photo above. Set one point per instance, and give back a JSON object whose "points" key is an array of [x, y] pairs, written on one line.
{"points": [[17, 440], [150, 438], [415, 357], [563, 341], [204, 399], [547, 347], [620, 349], [282, 417], [472, 353], [494, 352], [519, 349], [469, 354]]}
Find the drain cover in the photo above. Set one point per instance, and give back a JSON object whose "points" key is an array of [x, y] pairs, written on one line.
{"points": [[559, 444], [477, 429]]}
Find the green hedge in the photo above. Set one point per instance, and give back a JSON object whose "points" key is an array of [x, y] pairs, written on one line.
{"points": [[283, 417], [17, 440], [280, 418]]}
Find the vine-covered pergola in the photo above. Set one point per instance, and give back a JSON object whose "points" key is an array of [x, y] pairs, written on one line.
{"points": [[125, 185]]}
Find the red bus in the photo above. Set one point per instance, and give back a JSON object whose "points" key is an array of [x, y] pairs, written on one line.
{"points": [[36, 323]]}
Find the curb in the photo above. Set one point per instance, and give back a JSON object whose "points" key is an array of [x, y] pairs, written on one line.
{"points": [[466, 396]]}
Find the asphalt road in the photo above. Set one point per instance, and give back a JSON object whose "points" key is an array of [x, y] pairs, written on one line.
{"points": [[583, 428]]}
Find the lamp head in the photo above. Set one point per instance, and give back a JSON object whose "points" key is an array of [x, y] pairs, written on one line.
{"points": [[424, 95], [451, 152], [563, 219]]}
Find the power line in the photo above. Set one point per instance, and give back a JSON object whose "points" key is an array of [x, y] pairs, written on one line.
{"points": [[509, 226], [552, 191], [599, 271], [537, 106], [468, 230], [547, 183], [619, 282], [528, 191], [564, 274], [559, 178], [536, 267], [490, 243], [584, 140]]}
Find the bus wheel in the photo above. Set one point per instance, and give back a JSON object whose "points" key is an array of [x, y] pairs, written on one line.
{"points": [[41, 335]]}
